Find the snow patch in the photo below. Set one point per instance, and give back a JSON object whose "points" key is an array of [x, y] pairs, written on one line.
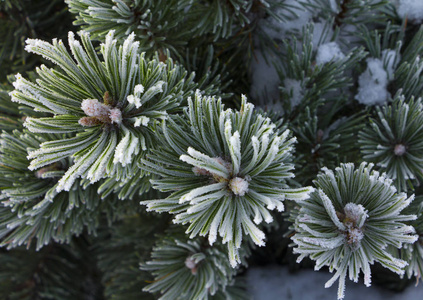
{"points": [[373, 84], [328, 52], [411, 9], [293, 87], [239, 186], [374, 81], [278, 29], [278, 282]]}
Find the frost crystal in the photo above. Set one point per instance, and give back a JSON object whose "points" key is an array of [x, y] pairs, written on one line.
{"points": [[158, 87], [135, 98], [354, 235], [191, 264], [352, 209], [115, 116], [99, 113], [400, 149], [93, 108], [143, 120], [355, 216], [238, 186], [139, 89], [355, 212]]}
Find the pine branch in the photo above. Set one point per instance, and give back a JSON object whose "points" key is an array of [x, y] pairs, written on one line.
{"points": [[350, 220], [30, 205], [393, 141], [109, 108], [189, 269], [307, 78], [120, 249], [157, 24], [223, 168], [10, 116], [325, 145], [413, 254]]}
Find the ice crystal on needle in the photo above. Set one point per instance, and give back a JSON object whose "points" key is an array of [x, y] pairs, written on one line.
{"points": [[225, 169], [393, 141], [100, 101], [349, 221]]}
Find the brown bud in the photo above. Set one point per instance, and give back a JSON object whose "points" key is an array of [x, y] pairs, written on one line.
{"points": [[89, 121]]}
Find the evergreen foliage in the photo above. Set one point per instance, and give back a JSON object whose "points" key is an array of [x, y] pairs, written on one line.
{"points": [[146, 112], [203, 270], [394, 141], [317, 81], [108, 108], [9, 112], [349, 221], [156, 23], [119, 251], [413, 254], [56, 272], [22, 19], [31, 206], [223, 167], [328, 147]]}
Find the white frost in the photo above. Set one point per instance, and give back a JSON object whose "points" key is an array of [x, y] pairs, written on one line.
{"points": [[390, 61], [139, 89], [135, 98], [239, 186], [143, 120], [355, 235], [400, 149], [115, 115], [354, 212], [93, 108]]}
